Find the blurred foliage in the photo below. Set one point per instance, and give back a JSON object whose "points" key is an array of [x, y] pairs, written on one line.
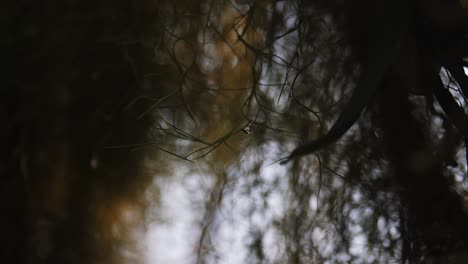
{"points": [[109, 106]]}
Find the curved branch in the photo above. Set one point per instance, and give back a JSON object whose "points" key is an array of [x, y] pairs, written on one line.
{"points": [[382, 38], [454, 112], [459, 74], [367, 84]]}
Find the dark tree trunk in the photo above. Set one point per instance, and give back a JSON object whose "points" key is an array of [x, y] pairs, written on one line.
{"points": [[434, 223]]}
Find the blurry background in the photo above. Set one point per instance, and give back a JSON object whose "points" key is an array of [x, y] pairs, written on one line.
{"points": [[151, 131]]}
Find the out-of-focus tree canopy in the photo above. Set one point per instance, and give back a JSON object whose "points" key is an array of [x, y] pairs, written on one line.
{"points": [[276, 131]]}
